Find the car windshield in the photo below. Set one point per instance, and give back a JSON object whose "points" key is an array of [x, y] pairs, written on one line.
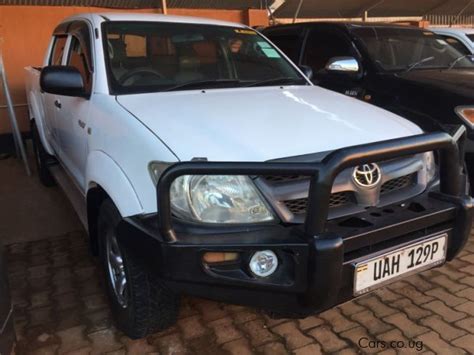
{"points": [[160, 56], [470, 36], [405, 49]]}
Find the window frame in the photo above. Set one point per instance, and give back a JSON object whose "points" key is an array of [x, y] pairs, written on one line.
{"points": [[466, 49], [53, 48], [76, 30]]}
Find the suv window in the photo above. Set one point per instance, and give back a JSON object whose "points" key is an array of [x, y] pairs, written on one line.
{"points": [[288, 41], [456, 44], [400, 49], [322, 45], [77, 58], [58, 50]]}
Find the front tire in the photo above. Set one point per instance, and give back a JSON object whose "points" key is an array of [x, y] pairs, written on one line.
{"points": [[42, 158], [141, 303]]}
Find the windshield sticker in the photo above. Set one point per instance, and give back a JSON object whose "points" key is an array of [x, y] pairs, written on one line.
{"points": [[245, 32], [270, 53], [442, 41], [262, 44]]}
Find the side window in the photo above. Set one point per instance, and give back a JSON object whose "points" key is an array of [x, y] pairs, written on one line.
{"points": [[289, 43], [457, 44], [322, 45], [135, 46], [78, 58], [58, 50]]}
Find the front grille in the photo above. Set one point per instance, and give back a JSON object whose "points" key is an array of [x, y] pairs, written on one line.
{"points": [[398, 183], [284, 178], [337, 199]]}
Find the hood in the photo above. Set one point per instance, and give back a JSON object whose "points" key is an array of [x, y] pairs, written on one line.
{"points": [[457, 81], [263, 123]]}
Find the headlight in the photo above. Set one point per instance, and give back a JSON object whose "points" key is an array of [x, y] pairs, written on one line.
{"points": [[430, 165], [214, 199], [218, 199], [467, 114]]}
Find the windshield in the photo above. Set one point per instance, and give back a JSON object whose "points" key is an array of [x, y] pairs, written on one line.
{"points": [[471, 37], [160, 56], [404, 49]]}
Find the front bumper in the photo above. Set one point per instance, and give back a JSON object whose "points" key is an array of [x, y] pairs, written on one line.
{"points": [[316, 259]]}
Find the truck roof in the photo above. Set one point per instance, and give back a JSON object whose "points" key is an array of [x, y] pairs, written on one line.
{"points": [[99, 17]]}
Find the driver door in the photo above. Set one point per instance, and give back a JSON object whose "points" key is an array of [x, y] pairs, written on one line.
{"points": [[50, 100]]}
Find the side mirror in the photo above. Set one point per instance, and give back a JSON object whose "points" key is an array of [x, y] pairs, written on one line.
{"points": [[343, 65], [307, 71], [62, 80]]}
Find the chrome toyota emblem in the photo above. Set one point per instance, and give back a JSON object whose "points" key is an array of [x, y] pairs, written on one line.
{"points": [[367, 175]]}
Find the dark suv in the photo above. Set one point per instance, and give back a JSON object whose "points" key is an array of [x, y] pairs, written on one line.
{"points": [[407, 70]]}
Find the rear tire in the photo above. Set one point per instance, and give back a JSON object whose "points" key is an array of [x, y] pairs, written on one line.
{"points": [[42, 158], [141, 302]]}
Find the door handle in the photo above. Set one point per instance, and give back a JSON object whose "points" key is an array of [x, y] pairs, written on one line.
{"points": [[57, 103]]}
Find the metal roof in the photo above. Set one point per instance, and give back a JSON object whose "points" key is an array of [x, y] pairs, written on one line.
{"points": [[375, 8], [136, 4]]}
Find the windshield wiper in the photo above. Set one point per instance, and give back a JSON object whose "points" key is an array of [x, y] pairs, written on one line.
{"points": [[202, 84], [454, 62], [414, 65], [280, 80]]}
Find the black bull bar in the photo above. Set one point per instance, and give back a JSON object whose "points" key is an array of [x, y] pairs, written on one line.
{"points": [[322, 174]]}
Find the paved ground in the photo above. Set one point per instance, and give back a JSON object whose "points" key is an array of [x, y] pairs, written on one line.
{"points": [[28, 210], [60, 304], [60, 307]]}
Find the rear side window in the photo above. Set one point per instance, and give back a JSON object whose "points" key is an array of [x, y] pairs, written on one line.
{"points": [[58, 50], [135, 45], [289, 42], [322, 45], [457, 44]]}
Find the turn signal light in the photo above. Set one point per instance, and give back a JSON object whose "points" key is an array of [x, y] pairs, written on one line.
{"points": [[467, 114], [219, 257]]}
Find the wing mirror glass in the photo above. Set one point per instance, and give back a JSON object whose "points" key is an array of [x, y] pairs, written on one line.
{"points": [[62, 80], [343, 65]]}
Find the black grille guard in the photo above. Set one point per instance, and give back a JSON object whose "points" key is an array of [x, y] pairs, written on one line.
{"points": [[322, 174]]}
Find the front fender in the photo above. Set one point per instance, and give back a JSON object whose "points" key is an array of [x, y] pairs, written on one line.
{"points": [[102, 170]]}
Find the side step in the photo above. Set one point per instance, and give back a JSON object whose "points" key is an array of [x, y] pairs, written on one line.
{"points": [[72, 192]]}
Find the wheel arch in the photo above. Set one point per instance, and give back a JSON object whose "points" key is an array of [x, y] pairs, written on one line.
{"points": [[106, 180]]}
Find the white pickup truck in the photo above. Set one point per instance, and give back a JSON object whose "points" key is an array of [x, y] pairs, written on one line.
{"points": [[204, 162]]}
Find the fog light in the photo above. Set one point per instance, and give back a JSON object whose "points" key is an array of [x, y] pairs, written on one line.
{"points": [[263, 263]]}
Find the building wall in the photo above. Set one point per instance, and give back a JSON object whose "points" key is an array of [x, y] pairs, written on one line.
{"points": [[25, 32]]}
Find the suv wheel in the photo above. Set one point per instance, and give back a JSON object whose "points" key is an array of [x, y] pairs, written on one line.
{"points": [[42, 158], [141, 303]]}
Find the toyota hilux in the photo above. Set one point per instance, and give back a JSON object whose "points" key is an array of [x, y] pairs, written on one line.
{"points": [[203, 162]]}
